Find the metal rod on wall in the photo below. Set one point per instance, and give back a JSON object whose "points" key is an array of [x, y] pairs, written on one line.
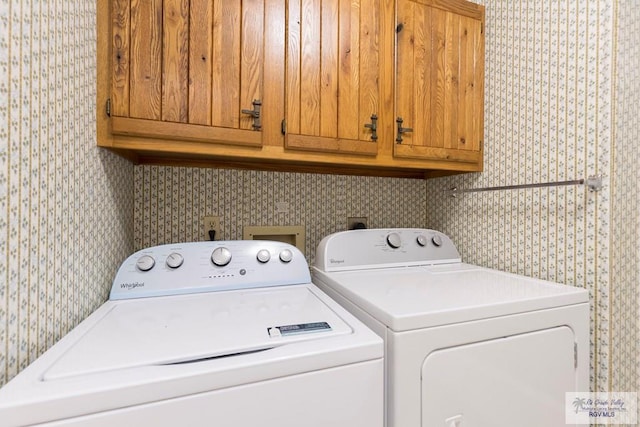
{"points": [[593, 182]]}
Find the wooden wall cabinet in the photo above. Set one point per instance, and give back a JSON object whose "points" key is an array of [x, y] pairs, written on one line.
{"points": [[184, 81]]}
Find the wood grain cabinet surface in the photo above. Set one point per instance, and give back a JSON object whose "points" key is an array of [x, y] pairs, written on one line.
{"points": [[440, 81], [188, 69], [374, 87], [332, 76]]}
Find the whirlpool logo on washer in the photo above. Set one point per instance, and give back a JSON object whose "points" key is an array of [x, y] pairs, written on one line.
{"points": [[132, 285], [336, 261]]}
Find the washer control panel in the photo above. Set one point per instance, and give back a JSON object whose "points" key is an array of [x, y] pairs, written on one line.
{"points": [[194, 267], [377, 248]]}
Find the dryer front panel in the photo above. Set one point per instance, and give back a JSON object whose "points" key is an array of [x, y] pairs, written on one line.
{"points": [[517, 380]]}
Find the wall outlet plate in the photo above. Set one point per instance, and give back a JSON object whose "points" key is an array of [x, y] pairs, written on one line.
{"points": [[354, 221], [211, 222]]}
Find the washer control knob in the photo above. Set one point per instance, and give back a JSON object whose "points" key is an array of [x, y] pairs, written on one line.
{"points": [[422, 240], [145, 263], [286, 256], [437, 240], [174, 260], [393, 239], [263, 256], [221, 256]]}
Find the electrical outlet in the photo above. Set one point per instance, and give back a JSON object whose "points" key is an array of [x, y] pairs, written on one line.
{"points": [[355, 222], [211, 223]]}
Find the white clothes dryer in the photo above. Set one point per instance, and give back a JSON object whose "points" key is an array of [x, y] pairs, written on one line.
{"points": [[465, 346], [227, 333]]}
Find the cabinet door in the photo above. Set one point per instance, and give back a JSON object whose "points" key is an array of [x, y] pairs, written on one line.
{"points": [[188, 69], [332, 87], [439, 81]]}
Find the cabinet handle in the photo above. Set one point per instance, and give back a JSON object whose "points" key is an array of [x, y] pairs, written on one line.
{"points": [[373, 126], [401, 130], [255, 113]]}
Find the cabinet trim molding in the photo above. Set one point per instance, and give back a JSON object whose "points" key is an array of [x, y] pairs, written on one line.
{"points": [[184, 132]]}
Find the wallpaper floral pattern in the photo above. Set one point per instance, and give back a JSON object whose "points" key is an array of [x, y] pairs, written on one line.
{"points": [[625, 228], [170, 203], [65, 205]]}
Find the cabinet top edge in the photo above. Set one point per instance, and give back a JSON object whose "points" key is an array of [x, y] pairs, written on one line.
{"points": [[461, 7]]}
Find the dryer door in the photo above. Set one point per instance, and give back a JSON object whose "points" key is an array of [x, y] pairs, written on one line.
{"points": [[518, 380]]}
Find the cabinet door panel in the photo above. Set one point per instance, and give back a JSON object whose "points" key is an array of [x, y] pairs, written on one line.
{"points": [[190, 62], [332, 86], [329, 70], [368, 72], [226, 63], [146, 63], [200, 62], [439, 82], [175, 61], [251, 58], [120, 82]]}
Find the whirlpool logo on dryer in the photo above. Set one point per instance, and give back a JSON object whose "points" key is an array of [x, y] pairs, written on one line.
{"points": [[336, 261], [132, 285]]}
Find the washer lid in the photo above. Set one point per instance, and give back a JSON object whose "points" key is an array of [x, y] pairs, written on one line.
{"points": [[418, 297], [189, 328]]}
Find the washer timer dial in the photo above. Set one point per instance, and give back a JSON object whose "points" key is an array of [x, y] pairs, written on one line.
{"points": [[286, 256], [174, 260], [263, 256], [221, 256], [145, 263], [393, 240]]}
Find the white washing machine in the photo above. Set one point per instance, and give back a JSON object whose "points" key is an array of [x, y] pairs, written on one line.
{"points": [[465, 346], [209, 333]]}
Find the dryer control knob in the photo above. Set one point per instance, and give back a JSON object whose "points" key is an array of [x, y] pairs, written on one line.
{"points": [[286, 256], [145, 263], [221, 256], [263, 256], [174, 260], [422, 240], [393, 239], [437, 240]]}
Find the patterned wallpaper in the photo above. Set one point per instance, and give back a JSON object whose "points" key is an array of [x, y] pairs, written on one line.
{"points": [[170, 202], [65, 206], [625, 227], [549, 106]]}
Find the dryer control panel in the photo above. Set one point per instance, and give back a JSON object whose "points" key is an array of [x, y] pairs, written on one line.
{"points": [[194, 267], [377, 248]]}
